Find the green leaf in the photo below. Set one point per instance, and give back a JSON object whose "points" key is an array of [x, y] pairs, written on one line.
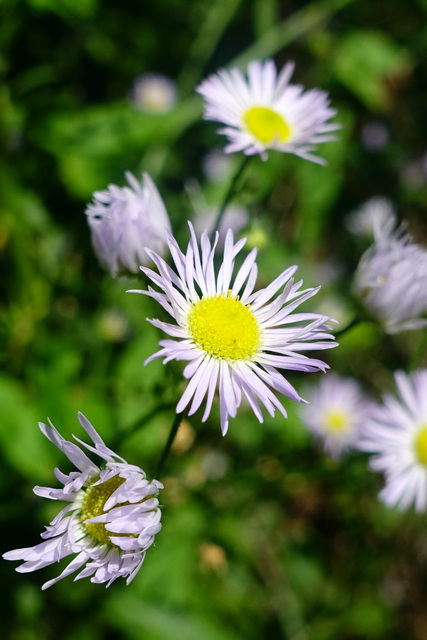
{"points": [[319, 187], [66, 8], [90, 144], [21, 440], [371, 65], [140, 619]]}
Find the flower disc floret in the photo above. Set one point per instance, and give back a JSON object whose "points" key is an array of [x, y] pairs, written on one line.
{"points": [[234, 340], [336, 421], [93, 505], [420, 445], [266, 125], [224, 328]]}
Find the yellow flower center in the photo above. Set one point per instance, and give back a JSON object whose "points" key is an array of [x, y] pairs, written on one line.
{"points": [[420, 445], [266, 125], [225, 328], [336, 421], [93, 505]]}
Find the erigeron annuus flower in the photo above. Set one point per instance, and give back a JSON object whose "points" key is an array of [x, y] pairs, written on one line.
{"points": [[267, 112], [154, 93], [396, 433], [336, 412], [111, 519], [124, 220], [233, 338], [391, 279]]}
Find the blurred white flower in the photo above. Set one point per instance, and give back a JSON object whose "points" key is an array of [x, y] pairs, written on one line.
{"points": [[217, 166], [113, 325], [234, 339], [391, 280], [396, 432], [110, 521], [413, 174], [124, 221], [336, 412], [376, 215], [154, 93], [267, 112], [374, 135]]}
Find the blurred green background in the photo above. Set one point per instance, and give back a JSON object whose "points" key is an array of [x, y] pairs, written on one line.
{"points": [[263, 536]]}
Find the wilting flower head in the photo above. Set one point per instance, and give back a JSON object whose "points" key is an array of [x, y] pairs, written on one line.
{"points": [[154, 93], [267, 112], [396, 432], [124, 220], [231, 337], [391, 280], [336, 412], [111, 519]]}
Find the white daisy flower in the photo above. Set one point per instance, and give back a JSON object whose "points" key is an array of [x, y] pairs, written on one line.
{"points": [[111, 519], [231, 337], [124, 220], [391, 280], [376, 215], [336, 412], [267, 112], [396, 432], [154, 93]]}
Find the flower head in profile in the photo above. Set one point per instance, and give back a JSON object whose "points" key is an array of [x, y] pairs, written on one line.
{"points": [[396, 433], [124, 220], [267, 112], [154, 93], [391, 279], [336, 412], [233, 338], [109, 522]]}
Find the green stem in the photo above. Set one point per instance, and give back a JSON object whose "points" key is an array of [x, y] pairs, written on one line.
{"points": [[350, 325], [168, 445], [218, 16], [419, 352], [141, 422], [230, 193], [310, 17]]}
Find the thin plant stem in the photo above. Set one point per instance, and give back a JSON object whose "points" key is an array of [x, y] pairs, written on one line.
{"points": [[230, 193], [138, 424], [351, 324], [218, 16], [300, 23], [419, 353], [168, 445]]}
